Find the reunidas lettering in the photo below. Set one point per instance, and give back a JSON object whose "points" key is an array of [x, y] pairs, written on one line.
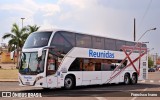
{"points": [[104, 54]]}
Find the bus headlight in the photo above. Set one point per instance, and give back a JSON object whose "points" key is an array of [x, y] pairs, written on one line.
{"points": [[20, 80], [38, 78]]}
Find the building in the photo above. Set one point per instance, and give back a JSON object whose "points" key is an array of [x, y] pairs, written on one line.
{"points": [[5, 56], [154, 58]]}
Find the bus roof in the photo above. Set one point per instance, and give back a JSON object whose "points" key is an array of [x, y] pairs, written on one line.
{"points": [[54, 30]]}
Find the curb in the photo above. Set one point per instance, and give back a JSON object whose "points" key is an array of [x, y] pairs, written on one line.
{"points": [[8, 80]]}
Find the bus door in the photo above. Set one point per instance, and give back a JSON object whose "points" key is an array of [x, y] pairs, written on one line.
{"points": [[52, 63], [90, 74]]}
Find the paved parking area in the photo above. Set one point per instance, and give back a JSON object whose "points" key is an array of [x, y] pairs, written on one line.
{"points": [[99, 92]]}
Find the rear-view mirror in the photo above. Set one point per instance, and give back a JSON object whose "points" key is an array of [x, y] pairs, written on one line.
{"points": [[40, 52], [12, 55]]}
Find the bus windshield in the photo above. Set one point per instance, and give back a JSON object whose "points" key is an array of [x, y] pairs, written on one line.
{"points": [[37, 39], [30, 64]]}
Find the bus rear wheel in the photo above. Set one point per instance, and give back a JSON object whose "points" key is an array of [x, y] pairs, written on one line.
{"points": [[134, 79], [69, 82], [126, 79]]}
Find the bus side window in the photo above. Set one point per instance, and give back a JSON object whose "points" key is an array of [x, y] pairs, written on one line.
{"points": [[91, 66], [98, 67], [51, 64], [75, 66], [113, 67]]}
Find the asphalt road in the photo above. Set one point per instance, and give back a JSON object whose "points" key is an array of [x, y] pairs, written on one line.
{"points": [[149, 89]]}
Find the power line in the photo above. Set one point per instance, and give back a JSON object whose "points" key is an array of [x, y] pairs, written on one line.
{"points": [[145, 13]]}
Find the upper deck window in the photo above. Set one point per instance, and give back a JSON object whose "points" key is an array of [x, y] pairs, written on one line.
{"points": [[38, 39], [98, 42], [110, 44], [119, 44], [83, 41], [63, 41]]}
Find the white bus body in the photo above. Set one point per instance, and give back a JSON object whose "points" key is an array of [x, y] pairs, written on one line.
{"points": [[81, 65]]}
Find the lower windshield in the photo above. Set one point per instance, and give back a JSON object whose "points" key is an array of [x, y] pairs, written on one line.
{"points": [[30, 64]]}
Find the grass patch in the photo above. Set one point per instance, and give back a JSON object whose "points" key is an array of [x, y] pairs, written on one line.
{"points": [[8, 73]]}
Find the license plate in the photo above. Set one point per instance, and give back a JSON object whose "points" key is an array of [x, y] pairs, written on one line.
{"points": [[27, 83]]}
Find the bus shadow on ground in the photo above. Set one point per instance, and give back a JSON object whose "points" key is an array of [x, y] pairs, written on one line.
{"points": [[107, 90]]}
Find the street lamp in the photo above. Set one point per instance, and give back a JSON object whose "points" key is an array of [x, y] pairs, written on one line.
{"points": [[145, 42], [146, 32], [150, 49], [141, 43], [22, 21]]}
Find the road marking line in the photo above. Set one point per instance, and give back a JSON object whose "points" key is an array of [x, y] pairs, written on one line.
{"points": [[23, 98], [137, 97], [143, 81], [100, 98], [106, 90], [151, 81]]}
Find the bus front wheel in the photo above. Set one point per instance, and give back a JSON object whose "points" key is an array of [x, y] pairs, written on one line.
{"points": [[69, 82]]}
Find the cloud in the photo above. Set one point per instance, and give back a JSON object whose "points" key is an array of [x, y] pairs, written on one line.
{"points": [[34, 13], [50, 9], [101, 17], [78, 4], [16, 7], [92, 17], [30, 7]]}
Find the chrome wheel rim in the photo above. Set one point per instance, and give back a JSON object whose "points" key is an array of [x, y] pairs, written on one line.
{"points": [[126, 80], [68, 82], [133, 79]]}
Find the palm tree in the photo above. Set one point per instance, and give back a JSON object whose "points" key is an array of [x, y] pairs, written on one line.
{"points": [[17, 38], [32, 28]]}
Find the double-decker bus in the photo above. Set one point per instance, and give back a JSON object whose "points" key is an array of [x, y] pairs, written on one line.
{"points": [[59, 58]]}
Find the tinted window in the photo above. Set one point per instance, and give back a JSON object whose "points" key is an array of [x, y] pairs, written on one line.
{"points": [[75, 66], [110, 44], [107, 67], [69, 37], [38, 39], [98, 66], [83, 41], [144, 45], [98, 43], [119, 44], [61, 43], [90, 64], [130, 43]]}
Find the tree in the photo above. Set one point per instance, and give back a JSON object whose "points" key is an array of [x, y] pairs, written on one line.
{"points": [[32, 28], [17, 37], [150, 62]]}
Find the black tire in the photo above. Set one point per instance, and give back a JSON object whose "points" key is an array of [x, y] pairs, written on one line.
{"points": [[46, 89], [126, 79], [69, 82], [134, 79]]}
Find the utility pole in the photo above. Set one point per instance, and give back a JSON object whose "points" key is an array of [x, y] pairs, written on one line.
{"points": [[156, 58], [134, 29], [22, 21]]}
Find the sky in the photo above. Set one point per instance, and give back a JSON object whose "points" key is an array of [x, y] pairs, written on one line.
{"points": [[109, 18]]}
